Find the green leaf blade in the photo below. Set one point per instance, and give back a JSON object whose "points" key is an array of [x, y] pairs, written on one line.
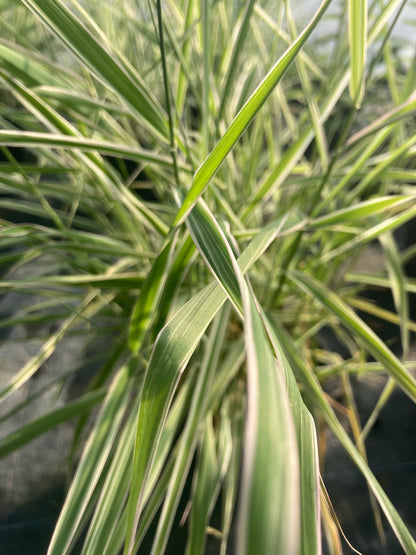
{"points": [[310, 535], [351, 321], [357, 27], [269, 517], [92, 463], [99, 60]]}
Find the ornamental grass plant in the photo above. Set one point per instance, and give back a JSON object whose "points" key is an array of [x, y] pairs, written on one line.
{"points": [[196, 180]]}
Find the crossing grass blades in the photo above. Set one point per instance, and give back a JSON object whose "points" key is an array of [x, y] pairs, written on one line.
{"points": [[201, 177]]}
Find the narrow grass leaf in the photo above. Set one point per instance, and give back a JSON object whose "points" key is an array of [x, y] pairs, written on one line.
{"points": [[316, 396], [351, 321], [403, 150], [189, 438], [44, 353], [165, 460], [114, 490], [269, 512], [310, 536], [205, 22], [225, 374], [233, 410], [213, 246], [378, 281], [183, 77], [277, 28], [276, 177], [123, 280], [382, 313], [362, 209], [173, 348], [357, 34], [35, 428], [404, 110], [397, 279], [310, 98], [243, 118], [107, 535], [105, 64], [25, 63], [373, 232], [235, 56], [34, 139], [177, 268], [92, 463], [144, 309], [359, 162], [205, 481]]}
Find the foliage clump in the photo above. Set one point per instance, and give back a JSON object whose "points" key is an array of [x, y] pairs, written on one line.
{"points": [[198, 180]]}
